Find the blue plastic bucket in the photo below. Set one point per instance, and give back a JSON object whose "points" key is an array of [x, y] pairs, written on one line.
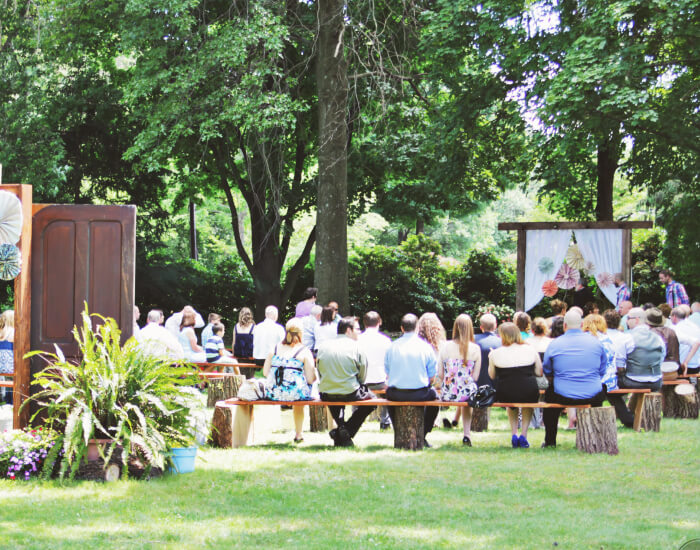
{"points": [[183, 460]]}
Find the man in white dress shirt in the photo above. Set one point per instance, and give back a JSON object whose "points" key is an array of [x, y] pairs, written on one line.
{"points": [[267, 335], [375, 345], [158, 341]]}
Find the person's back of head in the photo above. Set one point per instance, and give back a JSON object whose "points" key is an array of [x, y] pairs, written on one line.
{"points": [[679, 312], [578, 310], [409, 322], [510, 334], [310, 292], [648, 305], [557, 328], [695, 308], [293, 332], [539, 326], [558, 307], [595, 324], [522, 321], [213, 318], [572, 319], [346, 323], [162, 316], [684, 307], [327, 315], [625, 307], [488, 322], [271, 313], [637, 313], [372, 319], [245, 317], [612, 319], [217, 329], [154, 316], [316, 311], [188, 319], [665, 309]]}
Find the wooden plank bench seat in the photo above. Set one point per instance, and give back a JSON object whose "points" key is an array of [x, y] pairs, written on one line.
{"points": [[233, 419], [7, 384], [214, 367]]}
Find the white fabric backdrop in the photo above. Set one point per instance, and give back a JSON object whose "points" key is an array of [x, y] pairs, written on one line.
{"points": [[603, 247], [540, 243]]}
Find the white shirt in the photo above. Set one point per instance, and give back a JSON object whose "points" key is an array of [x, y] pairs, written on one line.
{"points": [[158, 341], [265, 337], [324, 332], [173, 322], [623, 344], [375, 344], [688, 334], [207, 332]]}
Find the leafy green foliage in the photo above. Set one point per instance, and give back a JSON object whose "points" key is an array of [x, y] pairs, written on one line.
{"points": [[646, 251], [397, 280], [483, 278], [137, 401]]}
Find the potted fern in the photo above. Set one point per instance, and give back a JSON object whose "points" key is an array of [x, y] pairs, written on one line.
{"points": [[116, 401]]}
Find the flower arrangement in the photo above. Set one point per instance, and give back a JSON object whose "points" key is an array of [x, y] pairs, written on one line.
{"points": [[503, 313], [23, 452]]}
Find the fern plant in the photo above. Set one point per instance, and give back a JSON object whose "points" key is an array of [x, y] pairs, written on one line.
{"points": [[138, 402]]}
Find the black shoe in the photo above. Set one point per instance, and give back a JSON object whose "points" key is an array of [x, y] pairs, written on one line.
{"points": [[333, 433], [426, 444], [454, 423], [466, 441], [552, 445], [383, 426], [446, 424]]}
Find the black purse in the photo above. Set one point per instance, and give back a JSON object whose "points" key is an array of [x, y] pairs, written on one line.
{"points": [[485, 396]]}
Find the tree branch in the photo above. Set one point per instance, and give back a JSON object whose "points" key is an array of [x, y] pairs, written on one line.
{"points": [[290, 280]]}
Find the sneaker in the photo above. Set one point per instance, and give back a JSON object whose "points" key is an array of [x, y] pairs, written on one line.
{"points": [[466, 441], [426, 444], [446, 424], [384, 426], [522, 442], [515, 441]]}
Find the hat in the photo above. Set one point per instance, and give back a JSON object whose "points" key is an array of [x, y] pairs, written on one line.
{"points": [[654, 317]]}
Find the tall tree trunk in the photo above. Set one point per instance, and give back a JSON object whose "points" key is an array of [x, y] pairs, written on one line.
{"points": [[608, 157], [420, 226], [194, 253], [331, 273]]}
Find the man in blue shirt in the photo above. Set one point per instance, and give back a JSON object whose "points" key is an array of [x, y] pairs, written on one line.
{"points": [[488, 340], [575, 364], [410, 366]]}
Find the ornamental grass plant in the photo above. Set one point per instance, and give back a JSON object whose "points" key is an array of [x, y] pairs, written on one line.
{"points": [[137, 402]]}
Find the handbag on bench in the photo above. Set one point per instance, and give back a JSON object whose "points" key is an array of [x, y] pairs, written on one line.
{"points": [[252, 389]]}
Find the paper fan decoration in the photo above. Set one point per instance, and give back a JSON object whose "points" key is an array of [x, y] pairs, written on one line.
{"points": [[549, 288], [567, 277], [574, 257], [545, 265], [10, 218], [10, 262], [589, 269], [605, 279]]}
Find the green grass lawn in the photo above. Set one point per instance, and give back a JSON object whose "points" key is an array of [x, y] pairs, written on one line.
{"points": [[274, 494]]}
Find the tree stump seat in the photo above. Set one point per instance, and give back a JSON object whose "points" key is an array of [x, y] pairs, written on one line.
{"points": [[679, 399], [233, 419]]}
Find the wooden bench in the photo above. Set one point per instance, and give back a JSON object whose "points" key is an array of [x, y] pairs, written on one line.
{"points": [[233, 418], [7, 383], [216, 367]]}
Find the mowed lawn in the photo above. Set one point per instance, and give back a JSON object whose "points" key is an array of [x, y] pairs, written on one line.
{"points": [[277, 495]]}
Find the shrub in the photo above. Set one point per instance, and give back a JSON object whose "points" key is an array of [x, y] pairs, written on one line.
{"points": [[484, 279]]}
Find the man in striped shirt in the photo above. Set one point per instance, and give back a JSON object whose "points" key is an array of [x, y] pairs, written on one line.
{"points": [[675, 292], [623, 293]]}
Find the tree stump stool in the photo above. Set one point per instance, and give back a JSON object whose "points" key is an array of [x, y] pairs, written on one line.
{"points": [[318, 419], [480, 420], [409, 431], [220, 389], [230, 425], [649, 416], [680, 401], [596, 430]]}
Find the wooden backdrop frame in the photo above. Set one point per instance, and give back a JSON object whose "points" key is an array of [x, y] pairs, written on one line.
{"points": [[523, 227]]}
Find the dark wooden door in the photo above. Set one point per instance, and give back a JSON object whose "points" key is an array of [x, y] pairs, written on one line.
{"points": [[80, 253]]}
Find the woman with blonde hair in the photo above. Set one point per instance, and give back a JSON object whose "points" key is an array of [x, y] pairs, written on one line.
{"points": [[290, 371], [7, 358], [458, 367], [513, 368], [242, 344], [430, 329]]}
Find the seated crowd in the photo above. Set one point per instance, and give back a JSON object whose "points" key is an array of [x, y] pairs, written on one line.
{"points": [[577, 359]]}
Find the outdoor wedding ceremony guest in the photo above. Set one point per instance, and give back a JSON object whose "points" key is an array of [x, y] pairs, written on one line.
{"points": [[644, 354], [488, 340], [540, 341], [556, 331], [675, 291], [410, 364], [243, 334], [175, 320], [575, 364], [267, 335], [342, 369], [671, 365], [304, 307], [558, 308], [7, 358], [290, 371], [595, 325], [523, 322], [430, 329], [336, 316], [688, 334], [591, 308], [514, 367], [375, 345], [207, 330], [137, 315], [215, 350], [308, 324], [188, 339], [623, 292], [158, 341], [326, 329], [695, 313], [458, 367], [625, 307]]}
